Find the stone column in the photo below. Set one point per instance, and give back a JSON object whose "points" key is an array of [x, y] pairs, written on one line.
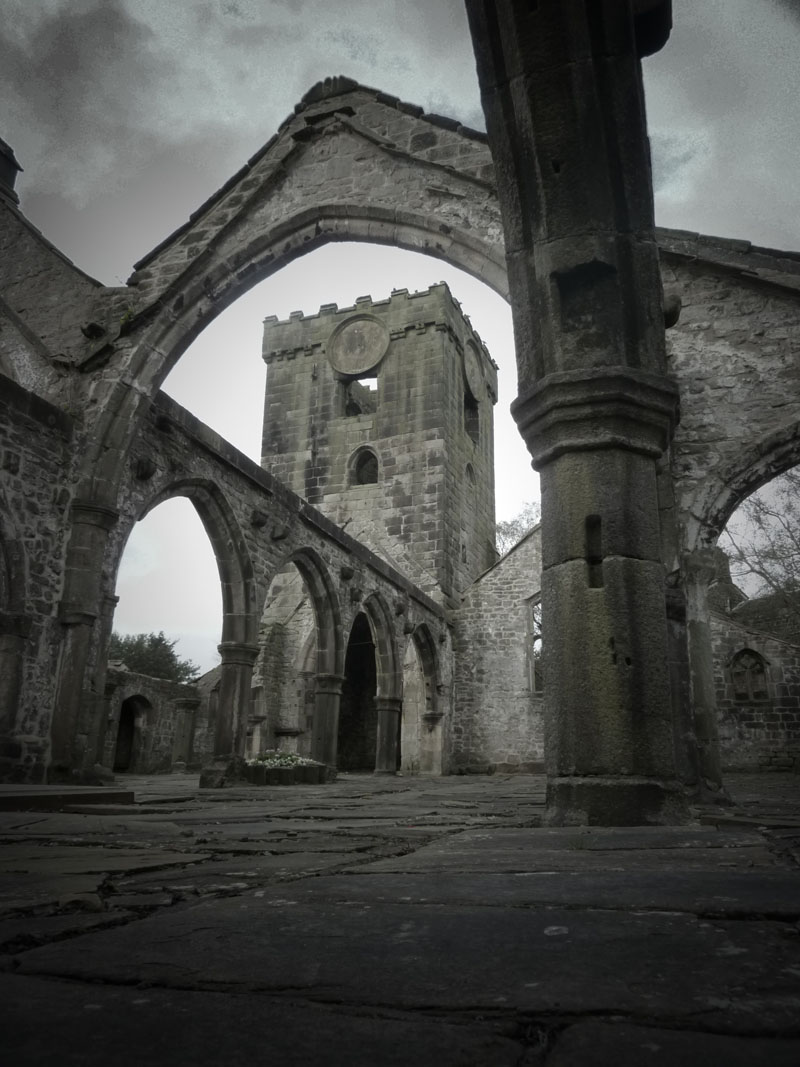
{"points": [[233, 710], [699, 570], [325, 740], [430, 745], [76, 703], [185, 711], [562, 93], [387, 748], [97, 726]]}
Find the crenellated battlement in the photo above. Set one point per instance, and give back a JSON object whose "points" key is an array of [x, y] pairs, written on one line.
{"points": [[402, 311]]}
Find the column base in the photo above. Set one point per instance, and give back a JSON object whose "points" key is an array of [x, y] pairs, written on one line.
{"points": [[615, 801]]}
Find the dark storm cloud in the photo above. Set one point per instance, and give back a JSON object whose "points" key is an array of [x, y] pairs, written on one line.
{"points": [[724, 122], [77, 79], [114, 104]]}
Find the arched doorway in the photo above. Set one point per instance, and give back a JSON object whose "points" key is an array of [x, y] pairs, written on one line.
{"points": [[130, 733], [358, 718]]}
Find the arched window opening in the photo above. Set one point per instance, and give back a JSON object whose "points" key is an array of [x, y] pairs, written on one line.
{"points": [[760, 583], [364, 468], [534, 645], [472, 422], [168, 580], [749, 676]]}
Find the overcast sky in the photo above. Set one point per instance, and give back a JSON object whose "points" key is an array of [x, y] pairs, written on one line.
{"points": [[126, 114]]}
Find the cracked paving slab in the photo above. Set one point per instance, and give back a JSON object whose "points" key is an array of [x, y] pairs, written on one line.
{"points": [[68, 859], [37, 875], [588, 1044], [23, 932], [750, 894], [101, 1025], [239, 871], [435, 858], [660, 931], [738, 976]]}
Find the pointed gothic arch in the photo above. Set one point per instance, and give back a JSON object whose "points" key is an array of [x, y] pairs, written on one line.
{"points": [[234, 563], [717, 500]]}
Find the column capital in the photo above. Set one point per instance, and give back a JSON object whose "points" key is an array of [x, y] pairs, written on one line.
{"points": [[237, 652], [186, 703], [388, 703], [330, 683], [601, 407], [73, 613], [91, 513]]}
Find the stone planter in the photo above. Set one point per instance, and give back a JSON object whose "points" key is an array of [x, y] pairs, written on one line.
{"points": [[257, 774], [301, 774], [309, 774]]}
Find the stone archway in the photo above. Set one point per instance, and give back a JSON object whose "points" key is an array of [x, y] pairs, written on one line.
{"points": [[421, 737], [358, 715], [130, 733], [723, 491], [369, 732], [255, 225], [712, 506], [300, 656], [388, 693], [239, 624]]}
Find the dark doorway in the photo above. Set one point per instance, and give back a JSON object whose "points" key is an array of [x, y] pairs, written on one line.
{"points": [[358, 722], [130, 718]]}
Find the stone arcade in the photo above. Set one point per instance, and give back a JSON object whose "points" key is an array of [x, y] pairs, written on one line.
{"points": [[644, 451]]}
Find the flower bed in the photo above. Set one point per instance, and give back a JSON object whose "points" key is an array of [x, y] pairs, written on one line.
{"points": [[285, 768]]}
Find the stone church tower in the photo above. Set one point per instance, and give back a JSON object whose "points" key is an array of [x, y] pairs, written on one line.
{"points": [[381, 416]]}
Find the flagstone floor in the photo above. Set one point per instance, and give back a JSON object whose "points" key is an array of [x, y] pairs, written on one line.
{"points": [[398, 921]]}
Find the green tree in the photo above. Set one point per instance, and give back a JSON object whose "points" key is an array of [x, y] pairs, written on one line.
{"points": [[153, 655], [509, 532], [763, 543]]}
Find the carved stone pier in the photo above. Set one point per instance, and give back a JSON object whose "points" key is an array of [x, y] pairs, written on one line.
{"points": [[562, 92]]}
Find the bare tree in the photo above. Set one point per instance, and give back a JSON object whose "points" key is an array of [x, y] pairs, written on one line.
{"points": [[509, 532], [763, 542]]}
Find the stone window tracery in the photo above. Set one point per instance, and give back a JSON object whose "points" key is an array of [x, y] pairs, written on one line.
{"points": [[749, 676]]}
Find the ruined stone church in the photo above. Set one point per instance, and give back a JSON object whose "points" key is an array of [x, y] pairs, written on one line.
{"points": [[365, 617]]}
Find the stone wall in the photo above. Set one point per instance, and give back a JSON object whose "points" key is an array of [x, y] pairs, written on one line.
{"points": [[735, 354], [498, 715], [757, 679], [35, 462], [155, 717], [45, 301]]}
